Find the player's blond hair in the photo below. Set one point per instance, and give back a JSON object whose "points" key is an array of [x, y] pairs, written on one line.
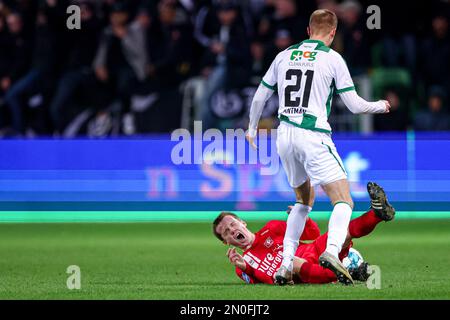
{"points": [[322, 21]]}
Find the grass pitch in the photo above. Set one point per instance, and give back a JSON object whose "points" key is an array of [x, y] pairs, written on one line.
{"points": [[185, 261]]}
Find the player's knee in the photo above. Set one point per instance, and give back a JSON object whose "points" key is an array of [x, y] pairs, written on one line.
{"points": [[305, 194], [350, 203]]}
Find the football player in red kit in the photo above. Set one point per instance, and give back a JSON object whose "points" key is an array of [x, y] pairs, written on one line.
{"points": [[263, 250]]}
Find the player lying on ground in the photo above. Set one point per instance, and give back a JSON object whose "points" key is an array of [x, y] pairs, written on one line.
{"points": [[263, 250]]}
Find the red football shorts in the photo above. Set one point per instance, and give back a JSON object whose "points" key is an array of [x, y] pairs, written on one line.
{"points": [[312, 251]]}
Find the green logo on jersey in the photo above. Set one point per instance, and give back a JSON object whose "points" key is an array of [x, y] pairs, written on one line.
{"points": [[297, 55]]}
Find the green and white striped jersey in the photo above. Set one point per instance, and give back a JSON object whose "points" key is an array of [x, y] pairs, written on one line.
{"points": [[305, 76]]}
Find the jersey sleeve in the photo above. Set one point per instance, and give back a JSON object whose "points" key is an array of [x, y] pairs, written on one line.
{"points": [[245, 275], [270, 78], [311, 231], [259, 100], [342, 77], [278, 227], [253, 276]]}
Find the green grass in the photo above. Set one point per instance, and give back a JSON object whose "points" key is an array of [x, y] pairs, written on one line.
{"points": [[184, 261]]}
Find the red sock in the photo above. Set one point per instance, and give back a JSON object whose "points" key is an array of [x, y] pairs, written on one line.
{"points": [[313, 273], [363, 225]]}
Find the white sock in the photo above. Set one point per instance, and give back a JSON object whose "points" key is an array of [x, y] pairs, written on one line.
{"points": [[295, 225], [337, 227]]}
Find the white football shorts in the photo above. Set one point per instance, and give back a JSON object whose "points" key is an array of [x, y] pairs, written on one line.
{"points": [[305, 153]]}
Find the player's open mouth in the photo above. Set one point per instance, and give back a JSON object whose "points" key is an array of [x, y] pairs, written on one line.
{"points": [[240, 236]]}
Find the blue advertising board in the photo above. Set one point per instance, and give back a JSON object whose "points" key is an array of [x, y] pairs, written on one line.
{"points": [[142, 174]]}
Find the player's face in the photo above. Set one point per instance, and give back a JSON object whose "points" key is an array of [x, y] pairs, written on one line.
{"points": [[234, 232]]}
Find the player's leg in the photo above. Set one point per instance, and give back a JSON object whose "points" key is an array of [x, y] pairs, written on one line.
{"points": [[325, 168], [304, 196], [379, 202], [304, 193], [308, 272], [312, 253], [296, 221], [359, 227], [339, 194], [380, 210], [294, 229]]}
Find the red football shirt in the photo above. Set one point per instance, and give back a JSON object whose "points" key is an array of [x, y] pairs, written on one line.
{"points": [[264, 257]]}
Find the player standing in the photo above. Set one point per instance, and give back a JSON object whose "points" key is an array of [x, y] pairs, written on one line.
{"points": [[306, 75]]}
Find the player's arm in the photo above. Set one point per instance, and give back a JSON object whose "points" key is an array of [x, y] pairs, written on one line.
{"points": [[356, 104], [262, 94], [246, 277], [259, 100], [236, 259], [244, 270], [346, 90]]}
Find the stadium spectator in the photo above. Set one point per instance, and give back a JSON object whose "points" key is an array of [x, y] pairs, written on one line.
{"points": [[435, 54], [149, 48], [122, 59], [14, 56], [27, 9], [399, 43], [206, 21], [355, 47], [78, 74], [41, 77], [259, 65], [16, 51], [282, 40], [397, 119], [170, 45], [285, 16], [227, 58], [4, 57], [263, 54], [435, 117]]}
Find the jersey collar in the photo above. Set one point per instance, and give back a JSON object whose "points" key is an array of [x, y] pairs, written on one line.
{"points": [[320, 45], [314, 41]]}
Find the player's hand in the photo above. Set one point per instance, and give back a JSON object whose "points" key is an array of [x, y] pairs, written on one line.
{"points": [[235, 258], [388, 106], [251, 141]]}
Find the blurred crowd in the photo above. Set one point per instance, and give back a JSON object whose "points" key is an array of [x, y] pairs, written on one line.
{"points": [[50, 73]]}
